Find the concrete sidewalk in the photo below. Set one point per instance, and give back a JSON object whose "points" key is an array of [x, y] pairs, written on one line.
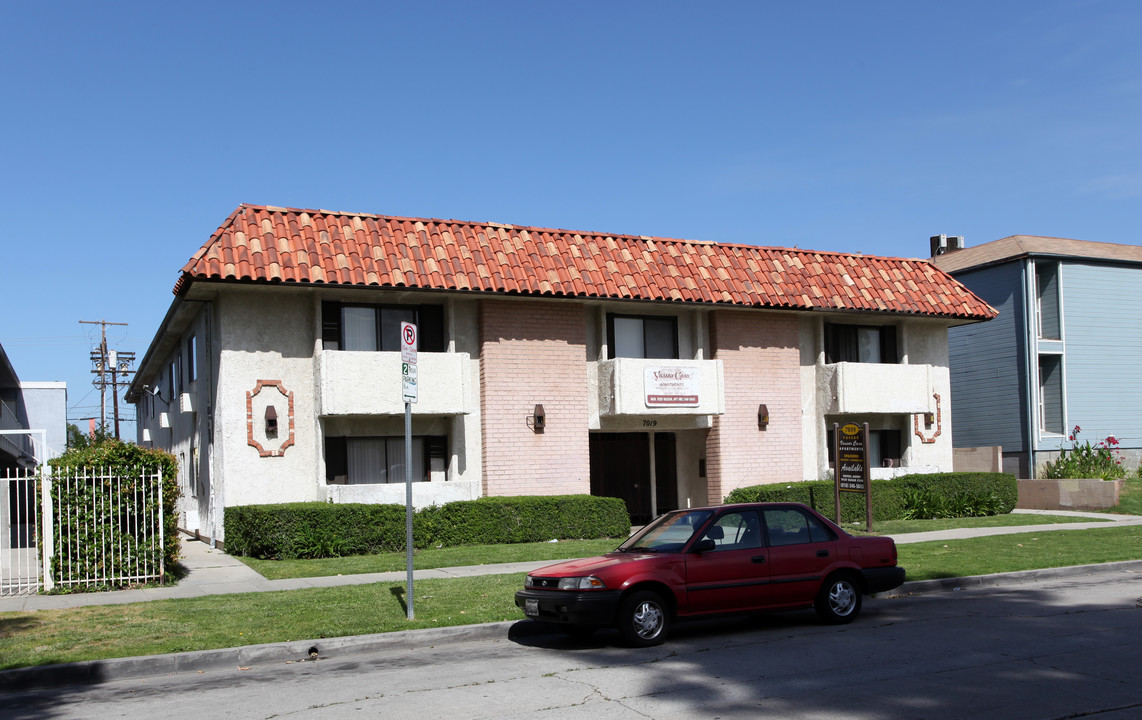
{"points": [[213, 572]]}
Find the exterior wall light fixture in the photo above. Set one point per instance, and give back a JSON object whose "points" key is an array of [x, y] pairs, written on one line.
{"points": [[538, 419], [762, 417]]}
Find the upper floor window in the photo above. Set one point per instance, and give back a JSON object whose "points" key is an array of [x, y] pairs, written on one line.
{"points": [[191, 359], [642, 336], [1047, 301], [346, 326], [860, 343], [173, 385]]}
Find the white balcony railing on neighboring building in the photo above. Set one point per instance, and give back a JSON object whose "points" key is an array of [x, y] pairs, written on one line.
{"points": [[880, 388], [370, 383], [634, 386]]}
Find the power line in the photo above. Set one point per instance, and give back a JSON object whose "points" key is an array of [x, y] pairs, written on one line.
{"points": [[109, 363]]}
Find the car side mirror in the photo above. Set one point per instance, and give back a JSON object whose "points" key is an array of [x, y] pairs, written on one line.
{"points": [[704, 545]]}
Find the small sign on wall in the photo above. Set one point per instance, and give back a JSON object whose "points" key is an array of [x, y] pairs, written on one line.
{"points": [[671, 386]]}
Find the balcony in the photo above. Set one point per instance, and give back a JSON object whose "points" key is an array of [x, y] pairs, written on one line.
{"points": [[879, 388], [633, 386], [369, 383]]}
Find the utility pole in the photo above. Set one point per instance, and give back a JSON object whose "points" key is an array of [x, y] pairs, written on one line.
{"points": [[109, 363]]}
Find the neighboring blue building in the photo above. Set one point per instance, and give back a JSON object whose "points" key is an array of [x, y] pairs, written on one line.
{"points": [[30, 406], [1063, 352]]}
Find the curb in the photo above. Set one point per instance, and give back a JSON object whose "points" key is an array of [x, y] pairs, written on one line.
{"points": [[93, 672]]}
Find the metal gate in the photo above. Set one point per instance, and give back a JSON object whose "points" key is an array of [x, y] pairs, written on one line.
{"points": [[95, 527], [20, 564]]}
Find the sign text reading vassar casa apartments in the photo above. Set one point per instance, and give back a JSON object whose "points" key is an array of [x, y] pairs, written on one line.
{"points": [[671, 386]]}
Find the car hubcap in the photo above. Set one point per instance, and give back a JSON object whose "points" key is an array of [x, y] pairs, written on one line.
{"points": [[647, 620], [842, 597]]}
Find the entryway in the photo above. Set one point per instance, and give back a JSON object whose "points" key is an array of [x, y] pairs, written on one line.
{"points": [[640, 468]]}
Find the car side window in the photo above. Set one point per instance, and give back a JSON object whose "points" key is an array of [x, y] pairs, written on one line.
{"points": [[792, 527], [735, 531]]}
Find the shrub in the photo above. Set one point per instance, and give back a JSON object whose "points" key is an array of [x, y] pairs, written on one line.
{"points": [[131, 495], [317, 529], [1085, 461], [908, 496]]}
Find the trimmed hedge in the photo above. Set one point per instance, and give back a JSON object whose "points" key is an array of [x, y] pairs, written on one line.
{"points": [[317, 529], [895, 499]]}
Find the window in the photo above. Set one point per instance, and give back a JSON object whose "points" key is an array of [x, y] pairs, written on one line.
{"points": [[637, 336], [1051, 394], [346, 326], [884, 447], [191, 359], [793, 527], [1047, 301], [860, 343], [379, 460], [173, 386], [736, 531]]}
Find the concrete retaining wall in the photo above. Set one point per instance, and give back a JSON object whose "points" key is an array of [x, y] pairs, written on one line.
{"points": [[1068, 494]]}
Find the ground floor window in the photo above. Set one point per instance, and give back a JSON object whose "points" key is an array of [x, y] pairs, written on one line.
{"points": [[379, 460], [884, 447]]}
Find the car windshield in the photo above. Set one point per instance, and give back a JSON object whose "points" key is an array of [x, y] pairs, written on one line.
{"points": [[668, 533]]}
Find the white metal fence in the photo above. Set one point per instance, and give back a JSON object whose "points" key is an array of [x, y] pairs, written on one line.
{"points": [[86, 527], [19, 530]]}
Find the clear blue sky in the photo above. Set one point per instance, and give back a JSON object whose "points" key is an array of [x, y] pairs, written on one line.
{"points": [[131, 130]]}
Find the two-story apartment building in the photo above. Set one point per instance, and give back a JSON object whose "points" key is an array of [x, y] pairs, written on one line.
{"points": [[665, 372], [1060, 354]]}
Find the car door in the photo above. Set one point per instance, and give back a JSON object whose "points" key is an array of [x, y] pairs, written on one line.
{"points": [[801, 550], [732, 576]]}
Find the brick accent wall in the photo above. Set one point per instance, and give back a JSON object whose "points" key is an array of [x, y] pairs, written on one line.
{"points": [[534, 352], [761, 362]]}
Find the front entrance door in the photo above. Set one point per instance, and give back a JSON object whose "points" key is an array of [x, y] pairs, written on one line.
{"points": [[621, 467]]}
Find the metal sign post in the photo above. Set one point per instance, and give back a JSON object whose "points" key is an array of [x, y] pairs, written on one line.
{"points": [[409, 391]]}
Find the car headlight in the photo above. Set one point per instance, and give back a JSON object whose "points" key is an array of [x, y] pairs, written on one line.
{"points": [[582, 583]]}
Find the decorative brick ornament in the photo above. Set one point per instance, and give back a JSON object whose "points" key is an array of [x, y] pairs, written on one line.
{"points": [[289, 436]]}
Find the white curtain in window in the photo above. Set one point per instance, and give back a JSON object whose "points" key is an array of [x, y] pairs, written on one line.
{"points": [[366, 460], [396, 459], [359, 328], [868, 339], [628, 338]]}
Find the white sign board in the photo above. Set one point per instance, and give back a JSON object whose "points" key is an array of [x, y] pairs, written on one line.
{"points": [[671, 386], [408, 382], [408, 342]]}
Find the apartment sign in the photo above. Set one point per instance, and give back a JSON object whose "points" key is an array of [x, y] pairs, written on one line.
{"points": [[671, 386], [852, 458]]}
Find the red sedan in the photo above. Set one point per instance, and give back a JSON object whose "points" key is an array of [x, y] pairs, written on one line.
{"points": [[726, 559]]}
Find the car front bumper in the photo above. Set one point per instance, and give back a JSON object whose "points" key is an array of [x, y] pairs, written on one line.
{"points": [[883, 579], [595, 608]]}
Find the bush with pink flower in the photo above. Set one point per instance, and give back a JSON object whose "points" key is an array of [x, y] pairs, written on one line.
{"points": [[1102, 460]]}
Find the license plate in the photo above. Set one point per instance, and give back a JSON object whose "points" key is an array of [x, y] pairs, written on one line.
{"points": [[531, 608]]}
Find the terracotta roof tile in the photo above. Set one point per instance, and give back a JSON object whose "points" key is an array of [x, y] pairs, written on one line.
{"points": [[261, 243]]}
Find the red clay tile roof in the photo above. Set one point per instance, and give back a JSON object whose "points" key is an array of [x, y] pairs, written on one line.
{"points": [[271, 244]]}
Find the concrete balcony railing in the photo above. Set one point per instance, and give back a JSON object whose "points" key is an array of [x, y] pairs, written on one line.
{"points": [[879, 388], [633, 386], [369, 383]]}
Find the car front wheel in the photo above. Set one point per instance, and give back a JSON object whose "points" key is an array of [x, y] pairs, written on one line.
{"points": [[644, 619], [839, 600]]}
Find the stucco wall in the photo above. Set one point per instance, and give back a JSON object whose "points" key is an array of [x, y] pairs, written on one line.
{"points": [[534, 353], [267, 337], [760, 357]]}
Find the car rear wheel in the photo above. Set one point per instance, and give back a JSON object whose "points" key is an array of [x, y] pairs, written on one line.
{"points": [[839, 600], [644, 619]]}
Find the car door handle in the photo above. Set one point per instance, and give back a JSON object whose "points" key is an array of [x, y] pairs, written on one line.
{"points": [[822, 553], [757, 559]]}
